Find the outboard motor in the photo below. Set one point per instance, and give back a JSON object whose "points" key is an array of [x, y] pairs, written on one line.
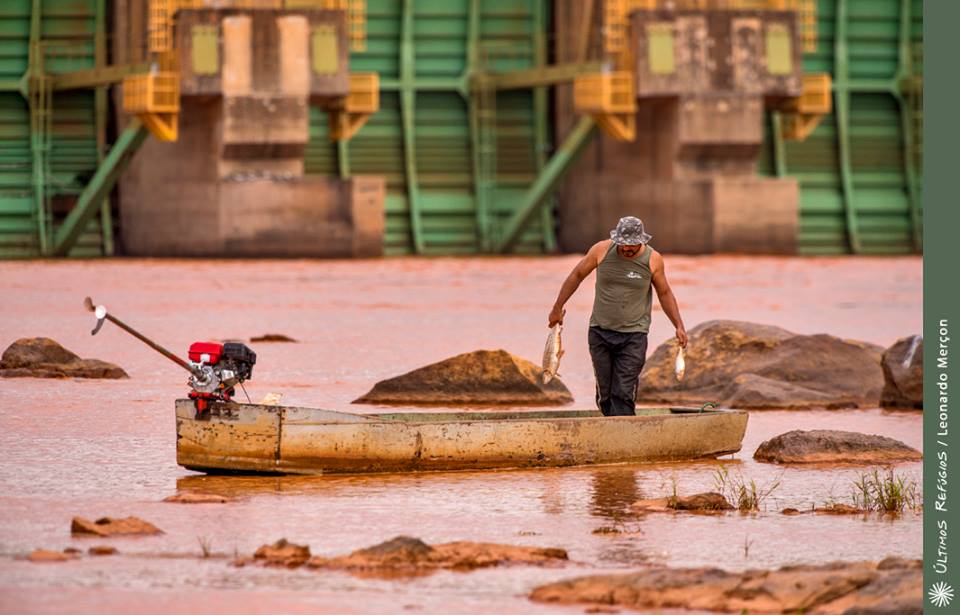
{"points": [[215, 369], [218, 368]]}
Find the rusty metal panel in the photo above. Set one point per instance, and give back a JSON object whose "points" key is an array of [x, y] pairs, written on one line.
{"points": [[205, 49], [778, 50], [660, 50], [233, 436], [324, 57]]}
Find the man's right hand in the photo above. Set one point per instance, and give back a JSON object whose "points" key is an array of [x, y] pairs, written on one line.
{"points": [[556, 316]]}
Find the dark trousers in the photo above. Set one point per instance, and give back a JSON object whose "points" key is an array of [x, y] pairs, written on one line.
{"points": [[617, 361]]}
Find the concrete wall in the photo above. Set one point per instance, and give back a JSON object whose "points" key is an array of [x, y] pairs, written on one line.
{"points": [[233, 183], [175, 201], [691, 172]]}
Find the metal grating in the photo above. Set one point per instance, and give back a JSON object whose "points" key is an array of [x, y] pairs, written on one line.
{"points": [[421, 138], [67, 31], [859, 185]]}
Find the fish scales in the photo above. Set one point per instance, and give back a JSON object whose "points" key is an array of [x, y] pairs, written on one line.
{"points": [[552, 351]]}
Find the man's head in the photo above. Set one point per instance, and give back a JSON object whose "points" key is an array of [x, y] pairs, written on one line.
{"points": [[630, 236]]}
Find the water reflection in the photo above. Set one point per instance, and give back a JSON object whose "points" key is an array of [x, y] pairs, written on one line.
{"points": [[613, 491]]}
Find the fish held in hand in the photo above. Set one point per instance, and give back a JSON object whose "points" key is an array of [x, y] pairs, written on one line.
{"points": [[680, 366], [552, 352]]}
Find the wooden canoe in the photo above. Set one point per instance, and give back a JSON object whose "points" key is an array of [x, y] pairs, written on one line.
{"points": [[249, 438]]}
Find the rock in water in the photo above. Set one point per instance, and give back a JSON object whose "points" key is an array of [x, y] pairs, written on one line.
{"points": [[829, 446], [479, 377], [747, 365], [903, 374], [41, 357], [283, 553], [44, 556], [272, 338], [700, 502], [107, 526], [405, 555], [890, 586], [197, 498]]}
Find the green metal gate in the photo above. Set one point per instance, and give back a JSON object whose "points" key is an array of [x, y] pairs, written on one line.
{"points": [[47, 157], [460, 155], [860, 188], [457, 155]]}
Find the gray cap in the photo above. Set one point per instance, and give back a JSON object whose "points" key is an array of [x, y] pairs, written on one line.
{"points": [[629, 232]]}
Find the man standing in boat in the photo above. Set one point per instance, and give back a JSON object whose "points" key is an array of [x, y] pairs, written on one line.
{"points": [[626, 268]]}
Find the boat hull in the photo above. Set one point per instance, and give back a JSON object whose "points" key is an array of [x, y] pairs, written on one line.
{"points": [[289, 440]]}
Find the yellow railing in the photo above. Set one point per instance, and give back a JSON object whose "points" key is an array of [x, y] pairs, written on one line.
{"points": [[611, 99], [362, 101], [364, 96], [803, 113], [151, 93], [613, 92]]}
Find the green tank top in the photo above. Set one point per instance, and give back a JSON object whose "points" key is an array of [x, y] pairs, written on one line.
{"points": [[622, 299]]}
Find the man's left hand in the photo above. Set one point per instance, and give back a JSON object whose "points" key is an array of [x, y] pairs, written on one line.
{"points": [[682, 337]]}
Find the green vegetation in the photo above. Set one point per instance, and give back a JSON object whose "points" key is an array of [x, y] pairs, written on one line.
{"points": [[887, 492], [206, 545], [744, 495]]}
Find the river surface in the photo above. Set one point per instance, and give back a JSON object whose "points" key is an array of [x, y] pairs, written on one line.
{"points": [[107, 448]]}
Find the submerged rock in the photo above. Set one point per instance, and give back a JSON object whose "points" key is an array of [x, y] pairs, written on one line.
{"points": [[479, 377], [197, 498], [407, 556], [283, 553], [700, 502], [903, 374], [107, 526], [43, 556], [835, 588], [747, 365], [41, 357], [831, 446], [273, 338], [836, 508], [102, 550]]}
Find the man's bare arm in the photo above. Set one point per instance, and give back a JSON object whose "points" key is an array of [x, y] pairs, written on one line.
{"points": [[667, 299], [586, 265]]}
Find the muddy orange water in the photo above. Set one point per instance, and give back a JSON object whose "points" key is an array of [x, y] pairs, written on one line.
{"points": [[99, 448]]}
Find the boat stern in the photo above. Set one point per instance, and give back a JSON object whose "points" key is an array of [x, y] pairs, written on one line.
{"points": [[228, 438]]}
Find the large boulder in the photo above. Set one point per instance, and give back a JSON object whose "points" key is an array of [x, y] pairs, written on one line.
{"points": [[747, 365], [41, 357], [479, 377], [903, 374], [830, 446], [890, 586]]}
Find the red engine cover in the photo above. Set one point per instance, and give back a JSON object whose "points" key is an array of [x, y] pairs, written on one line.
{"points": [[211, 348]]}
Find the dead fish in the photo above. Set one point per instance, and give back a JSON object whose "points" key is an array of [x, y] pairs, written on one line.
{"points": [[680, 366], [552, 352]]}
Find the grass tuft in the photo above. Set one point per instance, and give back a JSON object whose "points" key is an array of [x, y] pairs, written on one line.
{"points": [[886, 492], [744, 495]]}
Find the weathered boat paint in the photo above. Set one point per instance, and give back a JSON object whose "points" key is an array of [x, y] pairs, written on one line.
{"points": [[288, 440]]}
